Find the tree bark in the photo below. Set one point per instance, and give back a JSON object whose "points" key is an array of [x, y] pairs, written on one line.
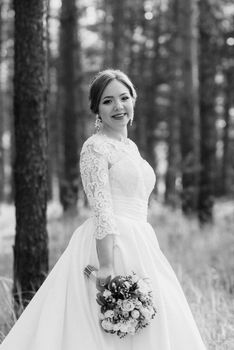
{"points": [[207, 70], [227, 186], [189, 130], [140, 127], [2, 175], [173, 158], [70, 83], [226, 150], [118, 33], [153, 80], [31, 240], [51, 158]]}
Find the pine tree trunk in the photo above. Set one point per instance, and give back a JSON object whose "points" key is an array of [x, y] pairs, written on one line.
{"points": [[173, 158], [140, 81], [2, 177], [31, 240], [6, 111], [150, 91], [11, 159], [189, 131], [207, 70], [2, 172], [51, 159], [227, 186], [106, 35], [226, 143], [132, 66], [118, 32], [69, 80]]}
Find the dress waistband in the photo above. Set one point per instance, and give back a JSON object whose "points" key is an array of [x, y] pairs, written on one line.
{"points": [[131, 207]]}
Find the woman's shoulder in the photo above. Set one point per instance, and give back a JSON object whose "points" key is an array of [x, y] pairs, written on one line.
{"points": [[133, 144], [95, 144], [90, 140]]}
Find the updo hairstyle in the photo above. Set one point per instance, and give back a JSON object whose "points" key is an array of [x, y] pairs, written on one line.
{"points": [[100, 82]]}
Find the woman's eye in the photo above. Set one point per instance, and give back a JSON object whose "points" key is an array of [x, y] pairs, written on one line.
{"points": [[124, 98], [106, 102]]}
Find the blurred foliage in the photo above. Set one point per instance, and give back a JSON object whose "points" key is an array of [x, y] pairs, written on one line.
{"points": [[138, 37]]}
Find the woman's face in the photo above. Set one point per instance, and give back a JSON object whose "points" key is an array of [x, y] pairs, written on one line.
{"points": [[116, 106]]}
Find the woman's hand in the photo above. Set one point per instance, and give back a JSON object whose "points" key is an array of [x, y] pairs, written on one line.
{"points": [[103, 273]]}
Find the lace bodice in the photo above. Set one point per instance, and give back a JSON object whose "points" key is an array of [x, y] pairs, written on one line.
{"points": [[116, 180]]}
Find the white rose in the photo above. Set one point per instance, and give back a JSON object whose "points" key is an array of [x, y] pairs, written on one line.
{"points": [[127, 305], [135, 314], [109, 313], [124, 328], [146, 313], [130, 327], [116, 327], [107, 325], [138, 304], [106, 293]]}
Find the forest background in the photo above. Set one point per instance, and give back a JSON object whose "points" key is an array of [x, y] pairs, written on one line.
{"points": [[180, 56]]}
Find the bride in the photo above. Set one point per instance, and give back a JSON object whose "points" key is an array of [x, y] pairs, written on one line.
{"points": [[116, 239]]}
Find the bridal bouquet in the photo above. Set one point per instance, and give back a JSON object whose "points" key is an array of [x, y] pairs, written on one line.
{"points": [[126, 304]]}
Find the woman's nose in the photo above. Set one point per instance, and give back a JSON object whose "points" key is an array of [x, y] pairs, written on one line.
{"points": [[118, 105]]}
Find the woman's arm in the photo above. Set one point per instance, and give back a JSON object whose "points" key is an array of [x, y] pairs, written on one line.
{"points": [[95, 178], [105, 256]]}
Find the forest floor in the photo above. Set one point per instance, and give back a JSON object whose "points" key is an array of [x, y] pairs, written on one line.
{"points": [[201, 257]]}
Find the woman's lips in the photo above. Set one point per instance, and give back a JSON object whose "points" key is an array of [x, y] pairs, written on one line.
{"points": [[119, 115]]}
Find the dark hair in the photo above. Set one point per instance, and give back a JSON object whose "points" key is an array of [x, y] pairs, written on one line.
{"points": [[100, 82]]}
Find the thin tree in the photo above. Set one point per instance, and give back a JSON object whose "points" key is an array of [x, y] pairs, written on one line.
{"points": [[227, 186], [208, 60], [70, 81], [173, 158], [31, 239], [1, 116], [51, 128], [228, 137], [118, 32], [106, 33], [140, 79], [153, 81], [189, 130]]}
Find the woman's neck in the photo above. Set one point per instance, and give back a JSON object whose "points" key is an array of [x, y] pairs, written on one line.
{"points": [[115, 134]]}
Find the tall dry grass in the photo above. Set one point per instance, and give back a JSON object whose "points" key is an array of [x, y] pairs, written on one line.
{"points": [[203, 259]]}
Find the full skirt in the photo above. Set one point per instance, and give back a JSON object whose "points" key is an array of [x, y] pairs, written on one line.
{"points": [[63, 315]]}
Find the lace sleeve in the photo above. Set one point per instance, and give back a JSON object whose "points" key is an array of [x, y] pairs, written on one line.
{"points": [[95, 179]]}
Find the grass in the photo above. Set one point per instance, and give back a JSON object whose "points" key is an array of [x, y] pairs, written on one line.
{"points": [[203, 261], [201, 257]]}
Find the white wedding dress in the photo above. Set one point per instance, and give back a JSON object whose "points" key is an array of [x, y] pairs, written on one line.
{"points": [[63, 315]]}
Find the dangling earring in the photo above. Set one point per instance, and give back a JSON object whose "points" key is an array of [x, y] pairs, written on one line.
{"points": [[131, 120], [98, 123]]}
